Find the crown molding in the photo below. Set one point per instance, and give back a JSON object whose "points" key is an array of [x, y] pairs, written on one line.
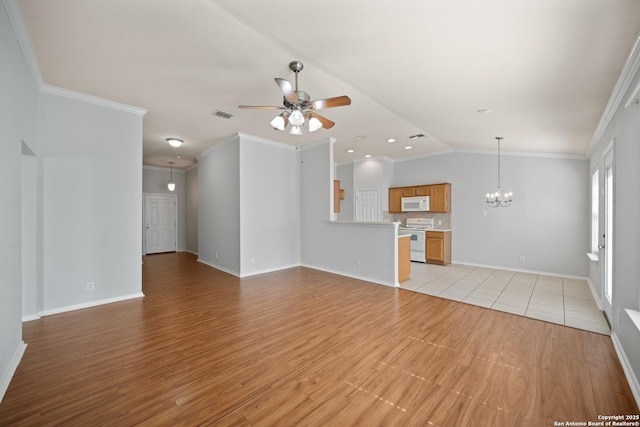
{"points": [[630, 69], [66, 93], [17, 21]]}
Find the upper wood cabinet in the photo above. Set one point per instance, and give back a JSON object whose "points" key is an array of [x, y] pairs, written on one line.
{"points": [[408, 191], [423, 190], [439, 197], [395, 200], [336, 196]]}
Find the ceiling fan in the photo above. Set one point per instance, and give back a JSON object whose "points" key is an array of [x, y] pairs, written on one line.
{"points": [[299, 109]]}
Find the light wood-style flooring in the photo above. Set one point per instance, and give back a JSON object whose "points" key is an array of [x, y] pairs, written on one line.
{"points": [[301, 347]]}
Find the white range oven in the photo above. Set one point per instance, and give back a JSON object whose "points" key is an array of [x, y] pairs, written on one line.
{"points": [[417, 228]]}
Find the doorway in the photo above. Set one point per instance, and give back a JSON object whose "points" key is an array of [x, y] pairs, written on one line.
{"points": [[367, 205], [160, 223], [607, 236]]}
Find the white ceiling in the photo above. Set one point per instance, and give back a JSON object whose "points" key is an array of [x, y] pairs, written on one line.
{"points": [[544, 68]]}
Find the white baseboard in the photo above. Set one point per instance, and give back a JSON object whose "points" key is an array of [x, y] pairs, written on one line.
{"points": [[90, 304], [270, 270], [217, 267], [30, 317], [7, 375], [626, 367], [353, 276], [520, 270], [594, 293]]}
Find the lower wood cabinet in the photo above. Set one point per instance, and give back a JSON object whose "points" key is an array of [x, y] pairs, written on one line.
{"points": [[438, 247]]}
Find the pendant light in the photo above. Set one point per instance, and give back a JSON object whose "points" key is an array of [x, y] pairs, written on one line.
{"points": [[171, 185], [498, 199]]}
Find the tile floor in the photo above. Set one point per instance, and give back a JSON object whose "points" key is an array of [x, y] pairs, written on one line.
{"points": [[561, 300]]}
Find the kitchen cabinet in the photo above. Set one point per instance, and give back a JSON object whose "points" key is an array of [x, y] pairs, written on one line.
{"points": [[338, 195], [423, 190], [408, 191], [395, 200], [440, 198], [404, 257], [438, 248]]}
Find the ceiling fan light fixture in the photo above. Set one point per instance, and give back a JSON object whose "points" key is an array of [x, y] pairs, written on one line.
{"points": [[171, 185], [295, 130], [314, 124], [296, 118], [278, 122], [175, 142]]}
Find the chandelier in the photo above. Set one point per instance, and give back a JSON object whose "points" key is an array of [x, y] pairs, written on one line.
{"points": [[171, 185], [498, 198]]}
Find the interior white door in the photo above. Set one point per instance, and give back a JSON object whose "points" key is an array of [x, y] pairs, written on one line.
{"points": [[367, 205], [160, 223], [606, 244]]}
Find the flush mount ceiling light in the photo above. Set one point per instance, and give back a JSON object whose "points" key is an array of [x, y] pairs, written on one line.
{"points": [[171, 185], [299, 109], [498, 199], [175, 142], [351, 150], [391, 140], [408, 147]]}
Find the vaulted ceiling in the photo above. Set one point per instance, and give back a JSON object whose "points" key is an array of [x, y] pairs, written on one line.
{"points": [[544, 69]]}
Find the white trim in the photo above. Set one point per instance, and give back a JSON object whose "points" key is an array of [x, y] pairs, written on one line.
{"points": [[90, 304], [631, 67], [634, 315], [7, 375], [217, 267], [626, 367], [634, 98], [30, 317], [519, 270], [66, 93], [161, 168], [353, 276], [592, 257], [17, 21], [190, 252], [594, 293], [270, 270]]}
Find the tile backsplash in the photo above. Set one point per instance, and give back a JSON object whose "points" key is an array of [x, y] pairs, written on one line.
{"points": [[444, 218]]}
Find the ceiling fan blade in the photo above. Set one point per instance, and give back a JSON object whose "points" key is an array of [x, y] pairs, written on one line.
{"points": [[326, 123], [262, 107], [287, 90], [338, 101]]}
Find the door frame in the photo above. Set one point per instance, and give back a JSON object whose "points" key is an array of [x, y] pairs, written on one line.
{"points": [[608, 223], [144, 216]]}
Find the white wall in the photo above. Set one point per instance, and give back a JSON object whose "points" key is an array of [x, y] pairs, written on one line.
{"points": [[248, 202], [18, 115], [219, 206], [374, 174], [154, 180], [92, 203], [624, 130], [269, 206], [191, 210], [365, 251], [31, 293], [344, 172], [547, 223]]}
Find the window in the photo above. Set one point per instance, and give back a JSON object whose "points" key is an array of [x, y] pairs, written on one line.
{"points": [[595, 210]]}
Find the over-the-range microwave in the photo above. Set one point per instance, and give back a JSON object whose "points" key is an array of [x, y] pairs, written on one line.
{"points": [[415, 204]]}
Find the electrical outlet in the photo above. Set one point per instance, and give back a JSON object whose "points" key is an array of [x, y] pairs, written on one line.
{"points": [[484, 212], [252, 260], [439, 222], [359, 263], [521, 258], [216, 255], [90, 286]]}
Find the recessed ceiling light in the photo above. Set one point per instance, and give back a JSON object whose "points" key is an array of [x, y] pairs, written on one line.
{"points": [[360, 137], [351, 150], [178, 157], [408, 147], [367, 155], [484, 111], [391, 140]]}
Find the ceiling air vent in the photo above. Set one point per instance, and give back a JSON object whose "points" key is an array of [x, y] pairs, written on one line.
{"points": [[419, 135], [222, 114]]}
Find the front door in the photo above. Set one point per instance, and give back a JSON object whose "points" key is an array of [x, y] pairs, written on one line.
{"points": [[159, 223]]}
